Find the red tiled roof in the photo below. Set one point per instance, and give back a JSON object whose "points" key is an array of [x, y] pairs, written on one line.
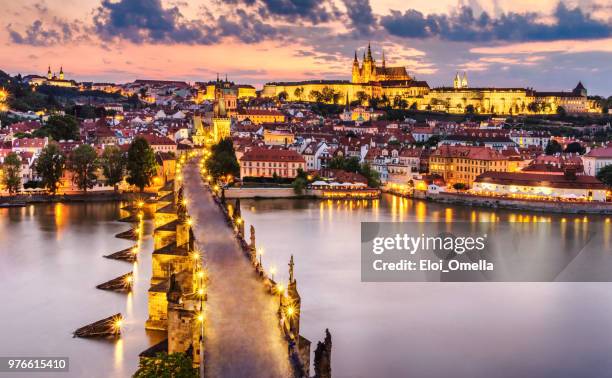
{"points": [[468, 152], [274, 155], [536, 179], [604, 152]]}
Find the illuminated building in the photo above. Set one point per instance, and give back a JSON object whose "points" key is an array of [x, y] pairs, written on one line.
{"points": [[596, 159], [370, 72], [52, 79], [462, 164], [260, 162], [278, 137], [259, 116], [368, 80], [520, 185]]}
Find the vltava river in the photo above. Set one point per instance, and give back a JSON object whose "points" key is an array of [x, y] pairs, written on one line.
{"points": [[50, 263], [433, 329], [51, 260]]}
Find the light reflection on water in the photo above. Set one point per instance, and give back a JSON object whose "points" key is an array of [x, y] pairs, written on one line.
{"points": [[434, 329], [50, 262]]}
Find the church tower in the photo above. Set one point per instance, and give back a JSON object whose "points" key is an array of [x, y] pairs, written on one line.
{"points": [[61, 75], [383, 58], [49, 74], [356, 74], [457, 81], [464, 81], [369, 67]]}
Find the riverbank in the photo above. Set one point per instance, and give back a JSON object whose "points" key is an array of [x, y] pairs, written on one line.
{"points": [[603, 208], [283, 192], [97, 196]]}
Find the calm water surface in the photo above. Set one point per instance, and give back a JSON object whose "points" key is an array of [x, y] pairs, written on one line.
{"points": [[50, 263], [432, 329], [51, 260]]}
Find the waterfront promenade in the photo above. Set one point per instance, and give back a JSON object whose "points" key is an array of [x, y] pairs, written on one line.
{"points": [[242, 333]]}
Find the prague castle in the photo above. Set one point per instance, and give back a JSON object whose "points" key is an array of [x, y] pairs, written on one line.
{"points": [[372, 81]]}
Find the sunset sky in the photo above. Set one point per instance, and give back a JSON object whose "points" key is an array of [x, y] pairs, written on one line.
{"points": [[545, 44]]}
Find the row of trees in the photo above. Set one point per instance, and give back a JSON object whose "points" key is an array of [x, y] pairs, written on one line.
{"points": [[84, 163]]}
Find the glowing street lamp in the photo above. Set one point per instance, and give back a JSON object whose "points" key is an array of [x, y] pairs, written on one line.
{"points": [[260, 251], [280, 289], [201, 317], [273, 272], [290, 311]]}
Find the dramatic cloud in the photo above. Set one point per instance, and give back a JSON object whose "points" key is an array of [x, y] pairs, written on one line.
{"points": [[360, 14], [147, 21], [462, 25], [37, 34], [314, 11]]}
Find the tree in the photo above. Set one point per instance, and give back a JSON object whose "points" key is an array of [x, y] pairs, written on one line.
{"points": [[282, 96], [113, 165], [12, 172], [553, 148], [141, 165], [84, 163], [50, 166], [362, 97], [469, 109], [575, 148], [605, 175], [459, 186], [370, 174], [300, 182], [315, 96], [164, 365], [299, 91], [60, 127], [328, 94], [222, 160], [561, 111]]}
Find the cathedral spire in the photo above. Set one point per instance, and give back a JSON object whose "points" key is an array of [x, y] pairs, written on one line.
{"points": [[369, 52], [355, 61], [383, 58]]}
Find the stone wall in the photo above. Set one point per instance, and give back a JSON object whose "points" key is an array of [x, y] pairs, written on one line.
{"points": [[259, 192], [543, 206]]}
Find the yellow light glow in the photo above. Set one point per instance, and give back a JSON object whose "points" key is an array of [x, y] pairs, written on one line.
{"points": [[260, 251], [140, 204], [200, 292], [290, 311], [135, 250], [273, 270], [129, 279], [201, 274], [190, 221], [201, 317], [195, 255], [117, 324], [184, 202], [280, 288]]}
